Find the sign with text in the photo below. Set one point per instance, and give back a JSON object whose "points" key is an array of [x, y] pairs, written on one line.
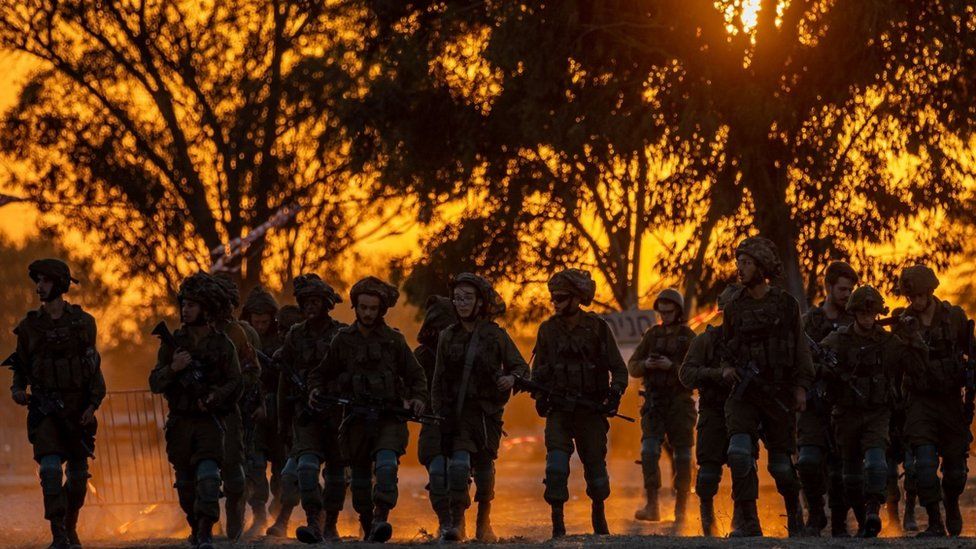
{"points": [[629, 326]]}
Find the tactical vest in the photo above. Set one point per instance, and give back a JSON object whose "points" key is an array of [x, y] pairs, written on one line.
{"points": [[761, 332], [310, 344], [946, 371], [371, 364], [713, 394], [818, 326], [579, 358], [60, 354], [212, 352], [864, 379], [671, 342], [485, 369]]}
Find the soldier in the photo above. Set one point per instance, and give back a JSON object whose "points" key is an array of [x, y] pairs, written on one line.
{"points": [[669, 410], [475, 371], [764, 331], [316, 434], [439, 314], [370, 363], [249, 410], [869, 359], [260, 312], [288, 316], [936, 424], [201, 380], [57, 360], [819, 464], [702, 370], [576, 353]]}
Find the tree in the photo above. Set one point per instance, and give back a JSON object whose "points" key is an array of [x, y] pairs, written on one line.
{"points": [[828, 126], [172, 128]]}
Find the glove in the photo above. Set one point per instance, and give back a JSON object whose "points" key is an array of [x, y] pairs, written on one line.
{"points": [[542, 405], [612, 403]]}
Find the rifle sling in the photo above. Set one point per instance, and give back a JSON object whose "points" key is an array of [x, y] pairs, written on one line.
{"points": [[466, 373]]}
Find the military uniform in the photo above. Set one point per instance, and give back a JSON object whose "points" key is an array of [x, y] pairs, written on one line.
{"points": [[464, 391], [936, 425], [374, 365], [767, 333], [194, 436], [668, 414], [57, 360], [861, 388], [818, 465], [584, 360]]}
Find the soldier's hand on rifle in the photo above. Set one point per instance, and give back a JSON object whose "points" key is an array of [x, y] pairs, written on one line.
{"points": [[909, 323], [730, 375], [181, 360], [313, 399], [88, 416], [415, 405], [19, 396], [801, 399], [542, 405], [612, 403], [662, 363], [205, 402], [505, 383]]}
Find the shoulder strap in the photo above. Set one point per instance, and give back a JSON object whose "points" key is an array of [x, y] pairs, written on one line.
{"points": [[468, 366]]}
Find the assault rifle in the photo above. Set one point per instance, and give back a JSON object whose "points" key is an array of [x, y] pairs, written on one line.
{"points": [[524, 384], [828, 358], [748, 374], [190, 378], [372, 409], [44, 402]]}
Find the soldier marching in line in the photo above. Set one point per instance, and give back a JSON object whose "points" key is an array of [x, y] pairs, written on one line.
{"points": [[57, 362], [668, 415]]}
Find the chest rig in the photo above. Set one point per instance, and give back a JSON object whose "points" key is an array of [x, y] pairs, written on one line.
{"points": [[761, 334], [579, 359], [864, 380], [62, 357], [671, 342]]}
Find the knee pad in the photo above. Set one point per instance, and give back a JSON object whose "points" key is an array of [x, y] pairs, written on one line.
{"points": [[76, 478], [709, 477], [386, 468], [185, 485], [651, 447], [307, 471], [208, 481], [235, 482], [927, 465], [954, 474], [597, 481], [51, 474], [741, 462], [257, 462], [459, 471], [334, 494], [437, 472], [875, 471], [557, 465], [810, 460], [780, 467], [484, 480]]}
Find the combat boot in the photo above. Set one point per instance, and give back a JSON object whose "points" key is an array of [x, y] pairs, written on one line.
{"points": [[59, 539], [259, 517], [707, 508], [838, 523], [234, 506], [859, 515], [366, 523], [816, 518], [483, 531], [444, 522], [651, 512], [71, 528], [680, 509], [872, 519], [455, 530], [310, 533], [748, 524], [910, 524], [205, 533], [558, 521], [330, 531], [280, 527], [936, 528], [953, 516], [794, 516], [381, 530], [598, 517]]}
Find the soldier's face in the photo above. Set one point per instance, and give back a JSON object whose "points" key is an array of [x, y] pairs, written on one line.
{"points": [[747, 270], [865, 319], [840, 292], [312, 306], [465, 301], [565, 303], [261, 322], [191, 313], [668, 312], [367, 309], [920, 302], [45, 288]]}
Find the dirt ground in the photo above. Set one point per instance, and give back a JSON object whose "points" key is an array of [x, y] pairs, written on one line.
{"points": [[520, 517]]}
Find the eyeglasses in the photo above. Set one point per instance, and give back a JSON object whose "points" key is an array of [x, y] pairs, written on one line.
{"points": [[559, 298]]}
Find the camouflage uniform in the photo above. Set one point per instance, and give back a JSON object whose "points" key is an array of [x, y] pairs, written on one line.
{"points": [[194, 437], [668, 415], [316, 439], [702, 370], [820, 467], [372, 364], [268, 445], [57, 360], [935, 421], [861, 390], [767, 332], [581, 360], [464, 391]]}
